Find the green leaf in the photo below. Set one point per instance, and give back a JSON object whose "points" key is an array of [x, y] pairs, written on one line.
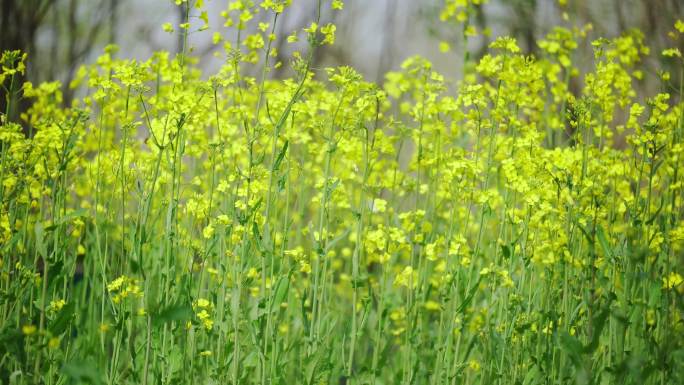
{"points": [[573, 347], [63, 319], [80, 372], [281, 290], [506, 251], [40, 240], [603, 241], [310, 368], [532, 374], [12, 343], [469, 297], [177, 312], [598, 323], [65, 219], [281, 155]]}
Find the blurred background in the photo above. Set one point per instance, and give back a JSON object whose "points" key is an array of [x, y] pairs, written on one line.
{"points": [[373, 36]]}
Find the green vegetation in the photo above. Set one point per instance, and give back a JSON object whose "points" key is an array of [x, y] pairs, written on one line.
{"points": [[170, 227]]}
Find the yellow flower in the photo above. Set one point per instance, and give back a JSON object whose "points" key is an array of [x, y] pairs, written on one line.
{"points": [[304, 267], [470, 31], [292, 38], [205, 318], [673, 280], [672, 52], [53, 343], [328, 32], [116, 284], [431, 251], [167, 27], [208, 231], [312, 28], [28, 329], [486, 270], [379, 205], [254, 291], [432, 306], [254, 42], [444, 47], [407, 277], [252, 273], [56, 305], [277, 6], [216, 37], [679, 26], [506, 43]]}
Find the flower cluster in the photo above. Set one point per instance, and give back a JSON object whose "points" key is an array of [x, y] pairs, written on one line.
{"points": [[523, 223]]}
